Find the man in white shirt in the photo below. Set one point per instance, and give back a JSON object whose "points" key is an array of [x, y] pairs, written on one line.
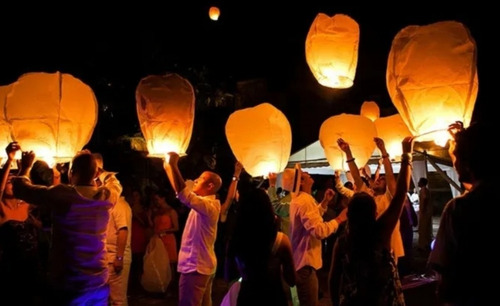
{"points": [[307, 230], [197, 262]]}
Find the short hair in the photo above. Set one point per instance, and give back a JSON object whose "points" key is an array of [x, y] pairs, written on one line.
{"points": [[215, 179], [85, 166], [423, 181], [470, 147]]}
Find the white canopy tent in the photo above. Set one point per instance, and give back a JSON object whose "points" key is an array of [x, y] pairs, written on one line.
{"points": [[313, 160]]}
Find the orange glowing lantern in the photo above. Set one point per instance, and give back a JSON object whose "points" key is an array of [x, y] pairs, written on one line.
{"points": [[260, 138], [52, 114], [214, 13], [370, 110], [5, 137], [432, 78], [332, 50], [356, 130], [392, 130], [165, 107]]}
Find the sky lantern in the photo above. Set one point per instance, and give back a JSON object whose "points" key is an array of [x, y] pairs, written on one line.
{"points": [[165, 107], [332, 50], [392, 130], [5, 137], [370, 110], [214, 13], [356, 130], [260, 138], [52, 114], [432, 78]]}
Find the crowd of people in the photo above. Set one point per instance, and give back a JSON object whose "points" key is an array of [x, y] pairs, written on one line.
{"points": [[268, 244]]}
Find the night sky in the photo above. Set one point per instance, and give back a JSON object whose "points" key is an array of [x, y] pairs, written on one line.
{"points": [[112, 48]]}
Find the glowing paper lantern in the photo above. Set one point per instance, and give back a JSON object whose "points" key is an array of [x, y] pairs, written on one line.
{"points": [[370, 110], [5, 137], [356, 130], [53, 114], [432, 77], [260, 138], [214, 13], [392, 130], [165, 108], [332, 50]]}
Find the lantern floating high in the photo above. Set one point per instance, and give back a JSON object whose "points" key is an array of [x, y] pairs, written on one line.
{"points": [[370, 110], [392, 130], [356, 130], [332, 50], [260, 138], [432, 77], [165, 107], [214, 13], [52, 114]]}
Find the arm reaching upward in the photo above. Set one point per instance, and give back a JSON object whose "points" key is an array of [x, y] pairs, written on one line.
{"points": [[173, 172], [389, 174], [344, 146]]}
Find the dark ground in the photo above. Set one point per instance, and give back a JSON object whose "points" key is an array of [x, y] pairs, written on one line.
{"points": [[418, 289]]}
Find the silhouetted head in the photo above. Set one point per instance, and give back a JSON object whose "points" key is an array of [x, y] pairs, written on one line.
{"points": [[83, 169], [361, 211]]}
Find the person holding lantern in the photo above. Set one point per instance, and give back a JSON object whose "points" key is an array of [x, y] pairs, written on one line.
{"points": [[463, 261], [307, 229], [78, 271], [382, 189], [364, 271], [197, 262]]}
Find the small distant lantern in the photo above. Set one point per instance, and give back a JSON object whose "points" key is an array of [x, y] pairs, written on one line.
{"points": [[392, 130], [165, 107], [214, 13], [356, 130], [432, 78], [52, 114], [332, 50], [370, 110], [260, 138]]}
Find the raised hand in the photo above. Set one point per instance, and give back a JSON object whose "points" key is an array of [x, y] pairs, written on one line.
{"points": [[238, 167], [329, 194], [173, 158], [408, 144], [344, 146], [11, 149], [27, 159]]}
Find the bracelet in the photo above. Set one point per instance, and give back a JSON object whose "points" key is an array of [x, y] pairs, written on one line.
{"points": [[350, 160], [385, 156], [119, 258], [236, 178], [406, 157]]}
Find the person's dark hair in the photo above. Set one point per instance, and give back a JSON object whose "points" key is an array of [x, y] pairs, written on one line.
{"points": [[41, 173], [349, 185], [84, 164], [361, 220], [423, 181], [255, 230], [470, 149]]}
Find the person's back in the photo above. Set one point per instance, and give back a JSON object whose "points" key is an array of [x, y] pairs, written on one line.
{"points": [[263, 254], [80, 211], [80, 218], [462, 259]]}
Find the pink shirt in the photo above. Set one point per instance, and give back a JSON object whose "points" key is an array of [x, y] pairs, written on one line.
{"points": [[197, 252]]}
